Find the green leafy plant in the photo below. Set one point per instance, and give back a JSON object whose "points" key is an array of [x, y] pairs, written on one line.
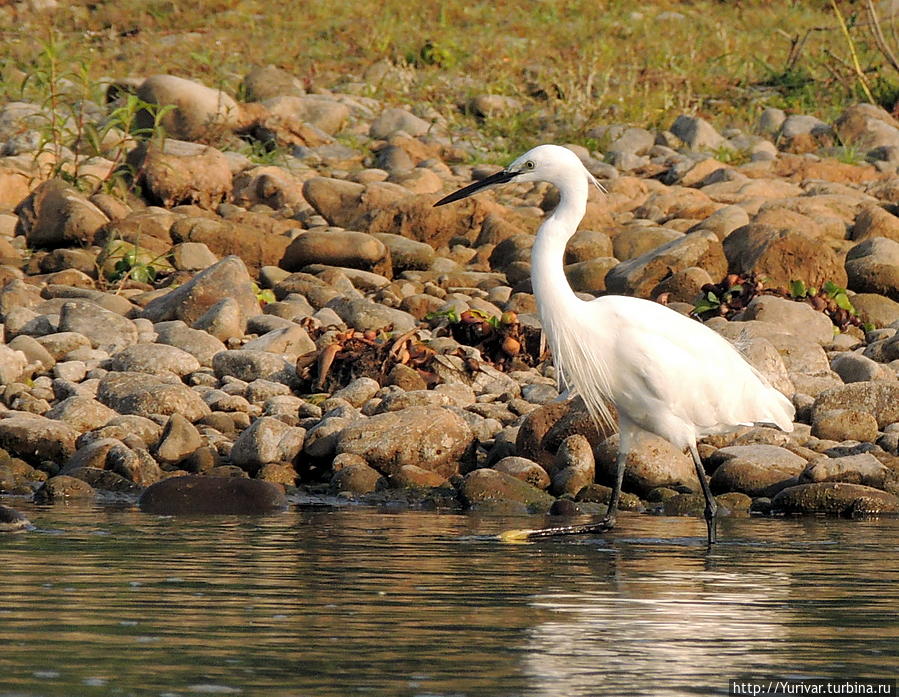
{"points": [[264, 295], [735, 292], [731, 156], [122, 261], [77, 141]]}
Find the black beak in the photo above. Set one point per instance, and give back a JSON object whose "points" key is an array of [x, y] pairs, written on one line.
{"points": [[500, 177]]}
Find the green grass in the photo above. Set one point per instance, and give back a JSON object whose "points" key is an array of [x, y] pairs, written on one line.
{"points": [[573, 63]]}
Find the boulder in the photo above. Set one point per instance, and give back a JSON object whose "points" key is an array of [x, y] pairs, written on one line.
{"points": [[255, 244], [781, 255], [854, 469], [180, 438], [12, 364], [653, 462], [394, 119], [358, 479], [320, 111], [12, 520], [144, 395], [155, 359], [525, 470], [874, 221], [873, 267], [879, 399], [199, 495], [356, 250], [180, 172], [55, 214], [639, 276], [835, 498], [788, 313], [62, 487], [107, 331], [697, 133], [267, 440], [188, 302], [844, 424], [200, 112], [36, 438], [265, 82], [197, 343], [81, 413], [490, 487], [430, 437], [249, 365]]}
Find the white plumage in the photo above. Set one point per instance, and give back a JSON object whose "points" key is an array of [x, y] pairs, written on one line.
{"points": [[664, 373]]}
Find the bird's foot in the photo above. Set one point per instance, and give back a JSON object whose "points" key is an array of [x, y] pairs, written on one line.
{"points": [[523, 535]]}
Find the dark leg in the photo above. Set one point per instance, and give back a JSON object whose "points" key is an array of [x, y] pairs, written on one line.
{"points": [[604, 525], [711, 508]]}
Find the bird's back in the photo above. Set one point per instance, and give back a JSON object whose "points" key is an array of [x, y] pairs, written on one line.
{"points": [[674, 376]]}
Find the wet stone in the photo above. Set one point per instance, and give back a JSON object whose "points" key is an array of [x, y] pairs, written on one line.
{"points": [[207, 495]]}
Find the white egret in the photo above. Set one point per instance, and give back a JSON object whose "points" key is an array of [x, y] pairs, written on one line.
{"points": [[664, 373]]}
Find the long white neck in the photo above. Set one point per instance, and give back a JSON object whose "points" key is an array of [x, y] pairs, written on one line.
{"points": [[551, 290], [577, 348]]}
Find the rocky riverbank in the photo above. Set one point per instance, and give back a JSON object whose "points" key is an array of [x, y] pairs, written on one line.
{"points": [[317, 325]]}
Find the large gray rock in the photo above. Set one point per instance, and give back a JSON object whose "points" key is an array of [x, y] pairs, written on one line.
{"points": [[181, 172], [431, 437], [873, 267], [156, 359], [81, 413], [874, 221], [321, 111], [265, 82], [143, 395], [640, 275], [55, 214], [291, 341], [227, 278], [35, 438], [365, 314], [788, 313], [12, 364], [697, 133], [62, 487], [249, 365], [652, 463], [267, 440], [854, 469], [406, 254], [835, 498], [844, 424], [224, 320], [491, 487], [179, 439], [197, 343], [880, 399], [754, 470], [867, 126], [107, 331], [393, 119], [200, 112]]}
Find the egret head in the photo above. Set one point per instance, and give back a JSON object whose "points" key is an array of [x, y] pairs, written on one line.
{"points": [[545, 163]]}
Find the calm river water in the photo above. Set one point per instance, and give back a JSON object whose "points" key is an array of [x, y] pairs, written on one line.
{"points": [[310, 603]]}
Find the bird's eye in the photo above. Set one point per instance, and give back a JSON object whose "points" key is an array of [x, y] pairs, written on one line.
{"points": [[529, 164]]}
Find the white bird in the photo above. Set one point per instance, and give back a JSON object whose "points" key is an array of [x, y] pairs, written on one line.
{"points": [[664, 373]]}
